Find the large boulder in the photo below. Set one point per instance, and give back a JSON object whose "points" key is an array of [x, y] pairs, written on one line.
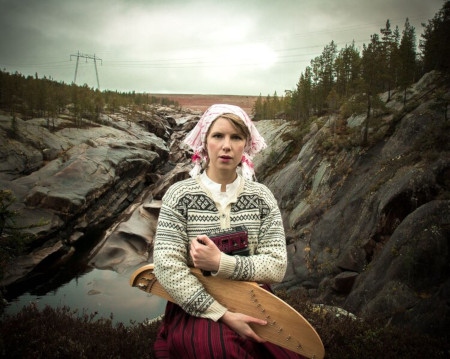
{"points": [[410, 277], [129, 241]]}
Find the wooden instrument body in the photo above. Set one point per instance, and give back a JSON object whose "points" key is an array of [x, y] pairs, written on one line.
{"points": [[286, 327]]}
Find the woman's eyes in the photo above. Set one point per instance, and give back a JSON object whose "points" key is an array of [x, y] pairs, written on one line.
{"points": [[233, 137]]}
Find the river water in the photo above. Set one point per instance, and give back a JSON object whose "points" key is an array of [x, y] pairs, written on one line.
{"points": [[81, 287], [103, 291]]}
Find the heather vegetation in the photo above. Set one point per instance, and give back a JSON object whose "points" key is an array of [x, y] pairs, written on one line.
{"points": [[64, 333]]}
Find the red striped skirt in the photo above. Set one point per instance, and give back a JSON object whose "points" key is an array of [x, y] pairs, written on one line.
{"points": [[182, 336]]}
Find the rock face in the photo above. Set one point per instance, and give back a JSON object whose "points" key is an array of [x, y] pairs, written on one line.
{"points": [[367, 227], [95, 174]]}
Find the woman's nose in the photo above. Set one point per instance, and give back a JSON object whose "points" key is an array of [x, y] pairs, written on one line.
{"points": [[226, 144]]}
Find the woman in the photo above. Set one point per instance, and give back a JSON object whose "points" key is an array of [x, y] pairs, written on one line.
{"points": [[217, 197]]}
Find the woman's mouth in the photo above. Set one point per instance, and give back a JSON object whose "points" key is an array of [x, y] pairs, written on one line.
{"points": [[225, 158]]}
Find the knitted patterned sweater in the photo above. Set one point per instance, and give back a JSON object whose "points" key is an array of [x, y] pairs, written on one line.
{"points": [[187, 211]]}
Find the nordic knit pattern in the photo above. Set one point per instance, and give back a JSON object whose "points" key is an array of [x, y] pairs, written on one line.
{"points": [[187, 211]]}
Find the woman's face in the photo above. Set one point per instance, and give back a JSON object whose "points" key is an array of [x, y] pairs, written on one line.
{"points": [[225, 145]]}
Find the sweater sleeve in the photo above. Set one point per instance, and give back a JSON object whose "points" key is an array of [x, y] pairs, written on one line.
{"points": [[170, 255]]}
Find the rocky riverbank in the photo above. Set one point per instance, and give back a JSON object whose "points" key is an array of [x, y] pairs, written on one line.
{"points": [[367, 226]]}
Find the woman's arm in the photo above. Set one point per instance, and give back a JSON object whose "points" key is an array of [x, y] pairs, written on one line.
{"points": [[170, 256]]}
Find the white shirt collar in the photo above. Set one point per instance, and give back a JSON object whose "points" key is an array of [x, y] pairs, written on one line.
{"points": [[216, 187], [223, 198]]}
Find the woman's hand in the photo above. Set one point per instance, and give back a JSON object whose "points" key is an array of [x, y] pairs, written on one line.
{"points": [[205, 254], [240, 324]]}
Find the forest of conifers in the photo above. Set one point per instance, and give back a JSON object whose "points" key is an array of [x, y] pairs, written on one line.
{"points": [[389, 61], [344, 79], [32, 96]]}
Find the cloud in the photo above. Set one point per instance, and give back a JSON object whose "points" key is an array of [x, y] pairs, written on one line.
{"points": [[234, 47]]}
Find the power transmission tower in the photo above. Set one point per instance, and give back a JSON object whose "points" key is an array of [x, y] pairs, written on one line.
{"points": [[85, 56]]}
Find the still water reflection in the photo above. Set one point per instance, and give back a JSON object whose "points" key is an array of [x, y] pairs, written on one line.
{"points": [[101, 291]]}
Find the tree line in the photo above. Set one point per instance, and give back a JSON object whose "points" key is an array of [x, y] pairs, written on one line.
{"points": [[336, 79], [32, 96]]}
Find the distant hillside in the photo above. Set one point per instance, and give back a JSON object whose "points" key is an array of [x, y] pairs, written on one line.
{"points": [[202, 102]]}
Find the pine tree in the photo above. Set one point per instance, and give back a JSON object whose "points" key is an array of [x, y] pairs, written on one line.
{"points": [[347, 67], [323, 75], [372, 63], [305, 91], [390, 47], [258, 108], [407, 57]]}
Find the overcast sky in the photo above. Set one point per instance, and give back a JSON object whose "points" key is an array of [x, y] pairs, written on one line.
{"points": [[242, 47]]}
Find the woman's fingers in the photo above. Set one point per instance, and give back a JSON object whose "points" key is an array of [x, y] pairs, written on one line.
{"points": [[240, 323], [205, 254]]}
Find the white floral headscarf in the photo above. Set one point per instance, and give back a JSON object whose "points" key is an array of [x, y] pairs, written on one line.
{"points": [[196, 139]]}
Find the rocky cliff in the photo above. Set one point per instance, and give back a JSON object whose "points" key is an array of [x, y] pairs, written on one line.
{"points": [[368, 226]]}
